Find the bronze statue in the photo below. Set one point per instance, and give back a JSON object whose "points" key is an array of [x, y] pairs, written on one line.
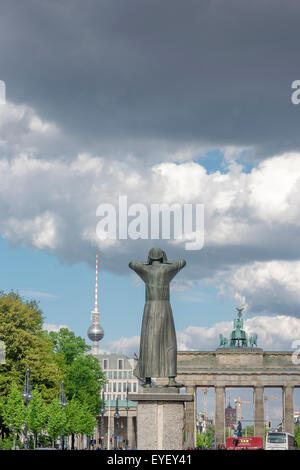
{"points": [[158, 345]]}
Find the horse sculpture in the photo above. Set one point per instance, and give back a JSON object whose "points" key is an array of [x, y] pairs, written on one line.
{"points": [[253, 340], [223, 340]]}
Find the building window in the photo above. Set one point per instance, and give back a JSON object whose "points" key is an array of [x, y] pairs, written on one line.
{"points": [[124, 386], [120, 375], [114, 387], [129, 387], [105, 363], [130, 374], [115, 374], [120, 364], [125, 374], [134, 386], [110, 374], [119, 387]]}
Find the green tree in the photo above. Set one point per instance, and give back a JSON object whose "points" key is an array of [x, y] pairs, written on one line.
{"points": [[14, 412], [56, 420], [38, 416], [26, 346], [79, 418], [73, 417], [204, 439], [248, 431], [87, 420], [84, 382], [67, 344], [297, 436]]}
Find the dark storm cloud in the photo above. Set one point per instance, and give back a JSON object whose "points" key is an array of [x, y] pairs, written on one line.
{"points": [[209, 72]]}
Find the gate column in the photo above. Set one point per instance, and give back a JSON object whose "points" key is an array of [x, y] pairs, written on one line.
{"points": [[190, 419], [259, 417], [288, 409], [220, 414]]}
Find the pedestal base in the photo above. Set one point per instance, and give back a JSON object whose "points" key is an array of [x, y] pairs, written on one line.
{"points": [[160, 420]]}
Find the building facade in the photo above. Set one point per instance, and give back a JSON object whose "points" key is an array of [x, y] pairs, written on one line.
{"points": [[230, 416], [203, 422], [118, 370]]}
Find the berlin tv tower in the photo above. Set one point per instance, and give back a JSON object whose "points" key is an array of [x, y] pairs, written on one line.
{"points": [[95, 331]]}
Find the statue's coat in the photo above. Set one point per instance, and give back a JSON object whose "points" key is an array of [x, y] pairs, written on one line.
{"points": [[158, 345]]}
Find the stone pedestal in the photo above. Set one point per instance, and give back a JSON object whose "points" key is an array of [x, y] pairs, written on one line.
{"points": [[160, 419]]}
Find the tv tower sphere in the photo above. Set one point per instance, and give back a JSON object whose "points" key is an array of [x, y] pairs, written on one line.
{"points": [[95, 331]]}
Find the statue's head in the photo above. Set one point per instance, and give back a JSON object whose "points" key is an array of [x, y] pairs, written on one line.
{"points": [[157, 254]]}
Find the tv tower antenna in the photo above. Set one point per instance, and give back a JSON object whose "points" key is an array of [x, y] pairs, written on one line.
{"points": [[95, 331]]}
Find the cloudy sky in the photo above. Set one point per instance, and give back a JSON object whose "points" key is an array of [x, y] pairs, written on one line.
{"points": [[164, 102]]}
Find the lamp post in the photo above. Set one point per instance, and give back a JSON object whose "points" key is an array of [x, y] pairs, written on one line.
{"points": [[121, 427], [103, 410], [117, 417], [27, 396], [63, 402], [127, 419]]}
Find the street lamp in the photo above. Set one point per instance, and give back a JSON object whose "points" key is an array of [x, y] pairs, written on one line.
{"points": [[126, 415], [27, 396], [103, 410], [63, 403], [117, 417]]}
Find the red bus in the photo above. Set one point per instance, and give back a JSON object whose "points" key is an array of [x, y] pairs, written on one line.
{"points": [[244, 443]]}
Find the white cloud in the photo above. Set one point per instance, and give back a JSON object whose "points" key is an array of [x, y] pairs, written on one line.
{"points": [[267, 287], [33, 293], [123, 345], [251, 219], [53, 199], [23, 131], [274, 333], [40, 231], [53, 327]]}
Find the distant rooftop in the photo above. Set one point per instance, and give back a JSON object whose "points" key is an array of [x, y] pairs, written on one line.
{"points": [[113, 360]]}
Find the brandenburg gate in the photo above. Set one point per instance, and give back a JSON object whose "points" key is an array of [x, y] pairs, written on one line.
{"points": [[235, 364]]}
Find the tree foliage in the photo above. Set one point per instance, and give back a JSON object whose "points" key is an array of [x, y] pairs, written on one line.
{"points": [[297, 436], [203, 440], [67, 344], [38, 414], [14, 411], [56, 420], [84, 382], [79, 419], [51, 358], [26, 346]]}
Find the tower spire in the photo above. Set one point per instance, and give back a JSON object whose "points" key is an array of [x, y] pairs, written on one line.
{"points": [[96, 285], [95, 331]]}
